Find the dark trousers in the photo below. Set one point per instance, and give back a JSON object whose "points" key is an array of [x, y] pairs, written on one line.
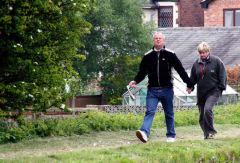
{"points": [[206, 118]]}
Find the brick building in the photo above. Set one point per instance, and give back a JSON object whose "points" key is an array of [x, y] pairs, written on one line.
{"points": [[192, 13], [221, 12], [174, 13], [163, 13]]}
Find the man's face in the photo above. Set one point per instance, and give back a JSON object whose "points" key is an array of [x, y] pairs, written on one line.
{"points": [[158, 40], [203, 55]]}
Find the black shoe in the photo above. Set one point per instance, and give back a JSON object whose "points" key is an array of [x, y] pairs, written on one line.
{"points": [[209, 136]]}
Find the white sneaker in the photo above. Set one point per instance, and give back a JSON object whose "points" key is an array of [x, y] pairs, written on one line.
{"points": [[170, 140], [142, 136]]}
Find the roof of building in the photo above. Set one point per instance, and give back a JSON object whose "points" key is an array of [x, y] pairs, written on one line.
{"points": [[224, 43], [205, 3], [154, 4]]}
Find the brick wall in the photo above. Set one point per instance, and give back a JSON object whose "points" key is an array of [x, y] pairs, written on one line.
{"points": [[190, 13], [213, 15]]}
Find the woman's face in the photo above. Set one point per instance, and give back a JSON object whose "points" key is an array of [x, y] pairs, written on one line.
{"points": [[203, 54]]}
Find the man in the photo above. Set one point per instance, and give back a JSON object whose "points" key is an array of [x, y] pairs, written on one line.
{"points": [[209, 73], [157, 64]]}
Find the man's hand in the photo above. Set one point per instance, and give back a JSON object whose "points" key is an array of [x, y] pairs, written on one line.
{"points": [[189, 90], [132, 83]]}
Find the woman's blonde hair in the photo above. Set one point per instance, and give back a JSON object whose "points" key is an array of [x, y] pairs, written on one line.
{"points": [[203, 47]]}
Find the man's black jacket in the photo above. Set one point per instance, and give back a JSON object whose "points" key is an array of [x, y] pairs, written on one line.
{"points": [[158, 67]]}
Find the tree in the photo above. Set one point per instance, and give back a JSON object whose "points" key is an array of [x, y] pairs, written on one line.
{"points": [[123, 69], [38, 41], [118, 32]]}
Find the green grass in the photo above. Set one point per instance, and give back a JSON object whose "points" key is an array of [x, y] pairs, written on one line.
{"points": [[121, 145], [224, 150]]}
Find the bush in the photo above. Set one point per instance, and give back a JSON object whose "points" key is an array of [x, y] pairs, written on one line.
{"points": [[83, 123]]}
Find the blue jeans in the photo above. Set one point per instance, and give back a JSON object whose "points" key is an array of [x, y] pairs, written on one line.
{"points": [[165, 96]]}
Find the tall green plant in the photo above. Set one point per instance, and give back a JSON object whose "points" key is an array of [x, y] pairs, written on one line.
{"points": [[38, 41]]}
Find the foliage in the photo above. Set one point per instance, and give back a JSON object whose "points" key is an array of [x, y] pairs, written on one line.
{"points": [[38, 41], [118, 73], [84, 123], [95, 121], [118, 32], [233, 74]]}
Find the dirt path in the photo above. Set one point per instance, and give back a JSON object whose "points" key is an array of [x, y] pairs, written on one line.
{"points": [[56, 145]]}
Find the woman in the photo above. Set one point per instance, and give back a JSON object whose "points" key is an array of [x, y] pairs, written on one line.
{"points": [[209, 73]]}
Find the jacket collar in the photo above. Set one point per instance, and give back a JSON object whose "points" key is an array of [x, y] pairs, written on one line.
{"points": [[154, 49], [207, 60]]}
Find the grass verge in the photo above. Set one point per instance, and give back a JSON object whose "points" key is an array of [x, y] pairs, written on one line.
{"points": [[123, 146]]}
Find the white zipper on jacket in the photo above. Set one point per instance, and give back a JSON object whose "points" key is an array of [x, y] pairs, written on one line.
{"points": [[158, 54]]}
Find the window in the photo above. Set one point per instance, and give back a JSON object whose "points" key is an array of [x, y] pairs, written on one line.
{"points": [[165, 16], [231, 17], [237, 17]]}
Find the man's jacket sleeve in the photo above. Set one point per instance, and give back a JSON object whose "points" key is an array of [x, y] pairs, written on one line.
{"points": [[181, 71]]}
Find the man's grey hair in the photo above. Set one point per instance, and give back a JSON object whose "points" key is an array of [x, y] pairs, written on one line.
{"points": [[158, 33]]}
